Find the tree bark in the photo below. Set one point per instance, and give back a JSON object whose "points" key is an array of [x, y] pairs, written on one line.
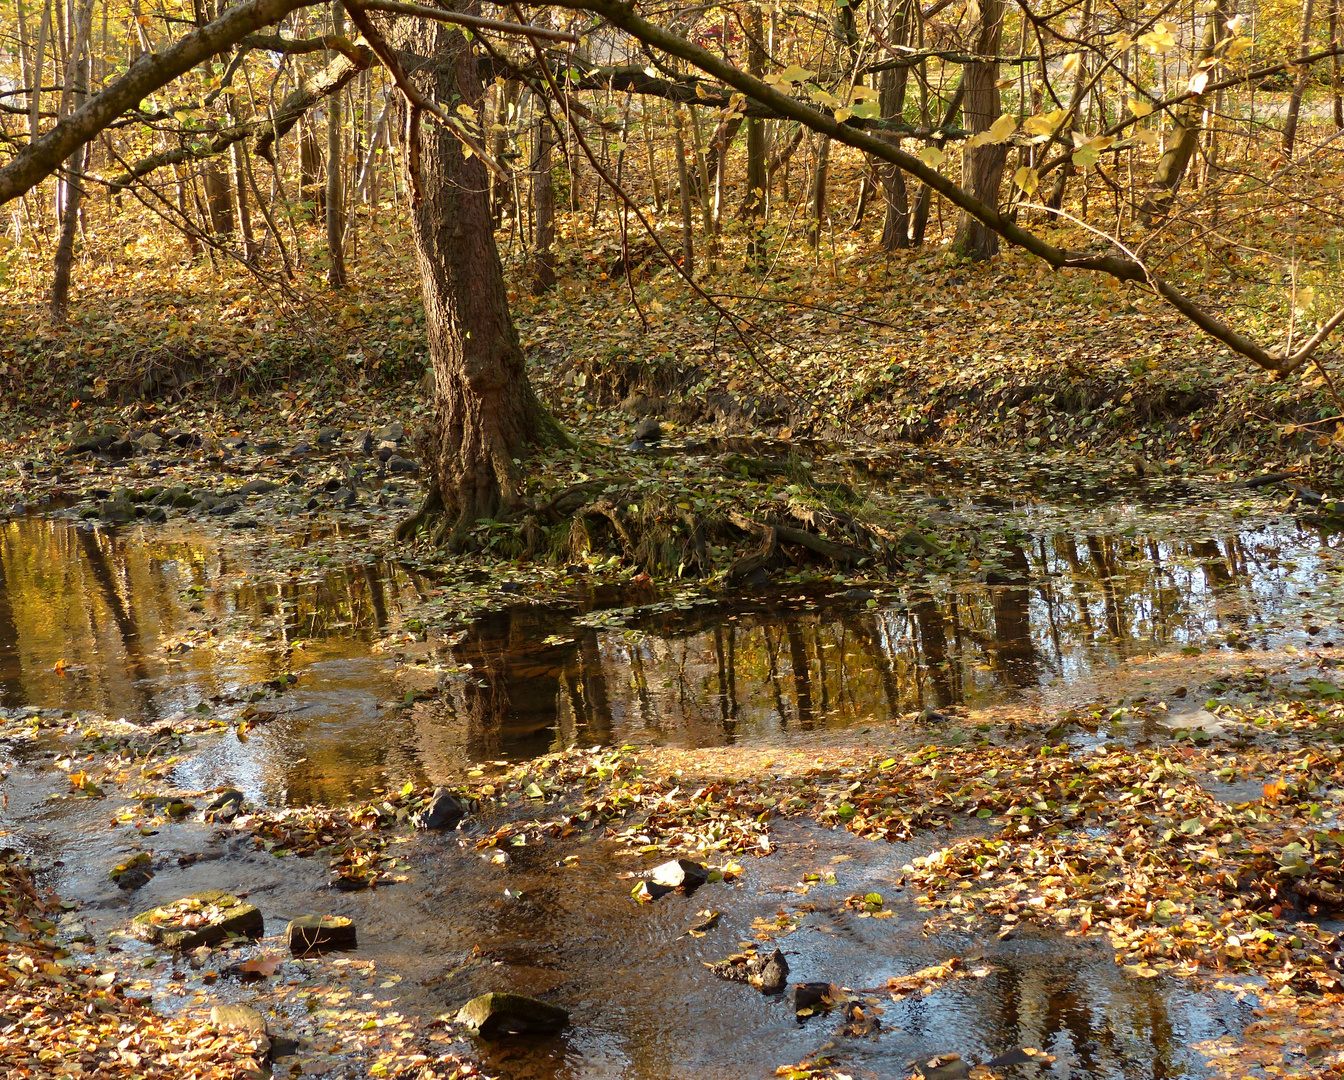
{"points": [[684, 191], [1336, 87], [76, 85], [817, 191], [891, 99], [486, 414], [335, 159], [753, 205], [1299, 81], [1172, 165], [543, 211], [982, 167]]}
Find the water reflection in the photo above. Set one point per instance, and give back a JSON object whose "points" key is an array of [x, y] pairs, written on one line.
{"points": [[143, 622], [1054, 608], [138, 623]]}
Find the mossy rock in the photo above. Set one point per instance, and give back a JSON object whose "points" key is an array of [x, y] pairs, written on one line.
{"points": [[310, 934], [202, 918], [497, 1015]]}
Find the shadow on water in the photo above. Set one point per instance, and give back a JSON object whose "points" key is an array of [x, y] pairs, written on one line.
{"points": [[141, 623]]}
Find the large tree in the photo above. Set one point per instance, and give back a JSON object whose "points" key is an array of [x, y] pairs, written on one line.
{"points": [[486, 414]]}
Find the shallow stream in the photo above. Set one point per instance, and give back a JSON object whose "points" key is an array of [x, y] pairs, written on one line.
{"points": [[147, 622]]}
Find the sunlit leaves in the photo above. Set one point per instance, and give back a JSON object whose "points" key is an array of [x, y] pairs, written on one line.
{"points": [[998, 132], [932, 156], [1027, 179], [1044, 124], [1160, 39]]}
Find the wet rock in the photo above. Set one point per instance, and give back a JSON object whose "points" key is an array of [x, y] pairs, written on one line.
{"points": [[202, 918], [300, 449], [246, 1019], [930, 715], [814, 997], [224, 807], [156, 514], [498, 1015], [398, 464], [393, 432], [257, 487], [121, 448], [648, 430], [944, 1067], [118, 509], [679, 873], [858, 595], [319, 933], [364, 442], [233, 442], [268, 446], [443, 811], [349, 882], [182, 438], [327, 435], [134, 873], [768, 972], [385, 450], [225, 507], [149, 442]]}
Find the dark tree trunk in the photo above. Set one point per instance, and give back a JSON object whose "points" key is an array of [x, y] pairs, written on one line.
{"points": [[311, 188], [891, 98], [485, 411], [1335, 85], [753, 205], [335, 156], [982, 169], [1299, 81], [543, 212], [218, 197]]}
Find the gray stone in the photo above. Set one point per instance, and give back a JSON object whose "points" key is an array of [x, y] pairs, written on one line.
{"points": [[385, 449], [648, 430], [768, 972], [398, 464], [256, 487], [202, 918], [300, 449], [233, 442], [393, 432], [238, 1018], [224, 806], [443, 811], [266, 446], [149, 442], [499, 1015], [364, 442], [318, 933], [118, 509], [327, 435]]}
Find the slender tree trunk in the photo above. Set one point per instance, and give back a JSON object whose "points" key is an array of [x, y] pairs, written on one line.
{"points": [[311, 188], [1300, 81], [1336, 86], [891, 99], [702, 167], [684, 190], [653, 165], [1184, 138], [753, 205], [240, 196], [506, 101], [543, 211], [335, 158], [72, 96], [218, 197], [39, 63], [817, 191], [485, 411], [1055, 200], [982, 167]]}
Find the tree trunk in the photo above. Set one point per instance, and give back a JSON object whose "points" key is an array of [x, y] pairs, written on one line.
{"points": [[817, 192], [753, 205], [485, 411], [335, 158], [311, 188], [76, 86], [684, 190], [543, 211], [982, 167], [1171, 166], [1300, 81], [1336, 87], [218, 197], [891, 100]]}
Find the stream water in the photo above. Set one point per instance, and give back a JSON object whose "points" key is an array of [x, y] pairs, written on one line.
{"points": [[143, 623]]}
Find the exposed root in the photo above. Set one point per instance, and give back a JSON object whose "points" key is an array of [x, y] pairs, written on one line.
{"points": [[429, 513]]}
